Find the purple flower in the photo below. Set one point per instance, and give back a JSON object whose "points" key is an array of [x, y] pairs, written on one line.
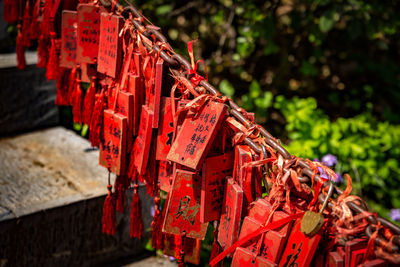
{"points": [[339, 178], [316, 160], [329, 160], [152, 211], [323, 174], [395, 214]]}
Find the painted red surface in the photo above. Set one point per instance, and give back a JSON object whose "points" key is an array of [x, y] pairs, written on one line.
{"points": [[69, 24], [196, 135], [215, 170], [109, 55], [112, 149], [182, 214]]}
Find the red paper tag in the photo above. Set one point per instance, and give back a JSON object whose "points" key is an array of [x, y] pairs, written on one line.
{"points": [[231, 213], [215, 170], [135, 87], [300, 249], [190, 246], [142, 144], [112, 149], [244, 257], [88, 33], [69, 25], [165, 172], [183, 206], [165, 130], [157, 91], [196, 136], [125, 107], [109, 57]]}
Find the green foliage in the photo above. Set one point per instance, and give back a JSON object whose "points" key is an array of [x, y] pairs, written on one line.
{"points": [[367, 149]]}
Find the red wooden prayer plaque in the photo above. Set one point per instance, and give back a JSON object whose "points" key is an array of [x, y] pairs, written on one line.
{"points": [[191, 247], [165, 130], [351, 247], [165, 171], [183, 206], [244, 175], [215, 170], [69, 24], [157, 91], [142, 144], [231, 213], [272, 244], [135, 87], [375, 263], [261, 210], [109, 57], [125, 107], [87, 72], [244, 257], [88, 33], [193, 141], [300, 249], [335, 259], [112, 149]]}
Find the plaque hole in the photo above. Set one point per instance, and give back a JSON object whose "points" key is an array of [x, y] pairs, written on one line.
{"points": [[182, 158]]}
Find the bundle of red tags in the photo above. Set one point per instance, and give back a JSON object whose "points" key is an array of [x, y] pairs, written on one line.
{"points": [[148, 112]]}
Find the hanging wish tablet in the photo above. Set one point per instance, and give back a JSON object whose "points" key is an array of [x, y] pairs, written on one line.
{"points": [[141, 146], [125, 107], [112, 148], [231, 213], [197, 134], [109, 57], [182, 214], [69, 25], [165, 130], [88, 33], [215, 170]]}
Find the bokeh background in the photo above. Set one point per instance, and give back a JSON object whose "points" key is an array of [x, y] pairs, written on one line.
{"points": [[321, 75]]}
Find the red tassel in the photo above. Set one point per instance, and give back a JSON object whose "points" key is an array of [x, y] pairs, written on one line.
{"points": [[62, 87], [71, 86], [77, 104], [88, 103], [44, 39], [157, 237], [26, 25], [180, 250], [216, 248], [97, 119], [52, 64], [136, 215], [10, 11], [108, 219], [121, 184], [35, 24], [21, 63]]}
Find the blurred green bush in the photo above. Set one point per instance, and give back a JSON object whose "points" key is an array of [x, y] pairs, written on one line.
{"points": [[321, 75]]}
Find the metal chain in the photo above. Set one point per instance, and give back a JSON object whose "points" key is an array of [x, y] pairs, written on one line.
{"points": [[176, 61]]}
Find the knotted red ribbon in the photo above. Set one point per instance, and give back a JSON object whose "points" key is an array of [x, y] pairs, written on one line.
{"points": [[196, 78]]}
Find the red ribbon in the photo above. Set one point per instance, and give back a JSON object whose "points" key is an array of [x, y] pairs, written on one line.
{"points": [[196, 79], [250, 236]]}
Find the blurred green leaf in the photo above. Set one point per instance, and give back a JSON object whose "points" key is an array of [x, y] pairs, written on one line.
{"points": [[226, 88]]}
